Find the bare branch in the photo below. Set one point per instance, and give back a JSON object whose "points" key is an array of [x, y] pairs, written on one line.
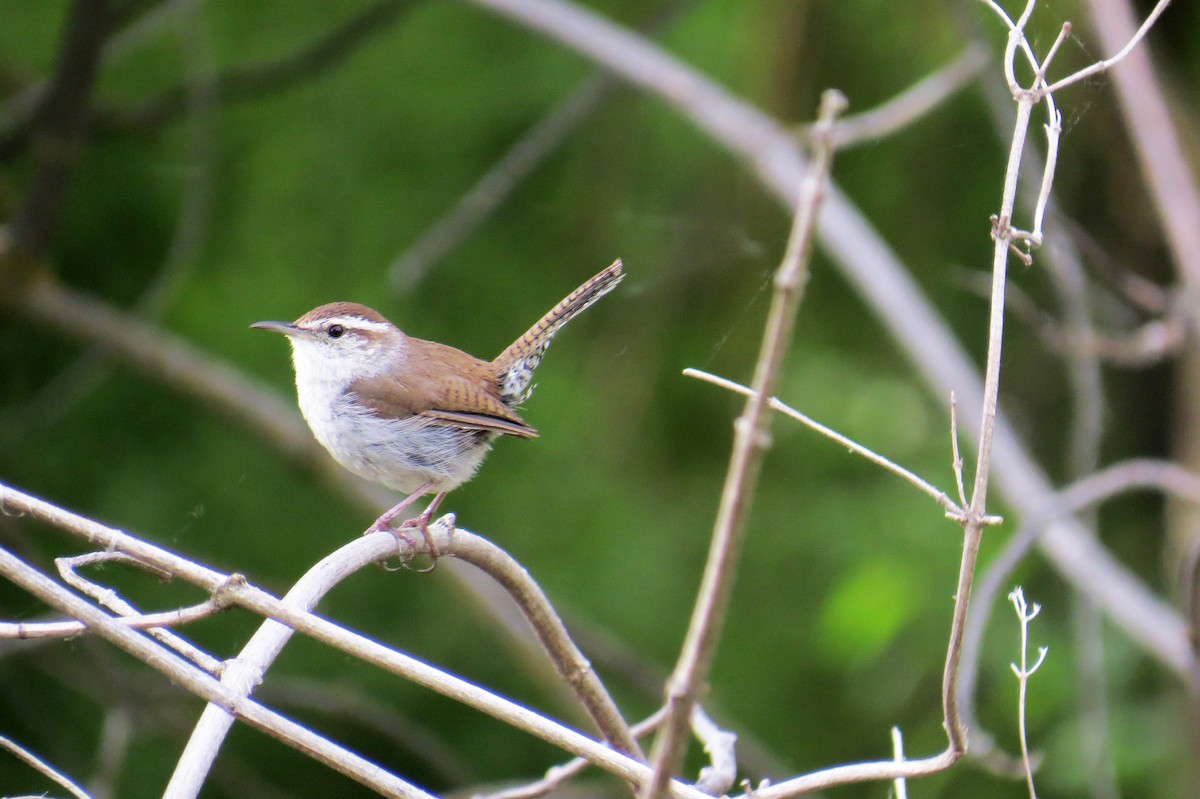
{"points": [[27, 631], [572, 666], [937, 494], [1025, 614], [751, 438], [718, 777], [179, 671], [956, 464], [1101, 66], [912, 104], [244, 672], [42, 767], [108, 598], [291, 612], [558, 775]]}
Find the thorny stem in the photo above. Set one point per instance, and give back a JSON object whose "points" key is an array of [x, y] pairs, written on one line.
{"points": [[752, 432]]}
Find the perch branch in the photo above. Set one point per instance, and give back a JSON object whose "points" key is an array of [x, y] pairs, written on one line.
{"points": [[199, 683], [289, 612]]}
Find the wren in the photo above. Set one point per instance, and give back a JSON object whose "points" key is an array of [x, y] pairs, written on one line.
{"points": [[415, 415]]}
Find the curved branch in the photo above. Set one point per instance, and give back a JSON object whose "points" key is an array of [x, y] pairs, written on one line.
{"points": [[291, 614], [570, 663]]}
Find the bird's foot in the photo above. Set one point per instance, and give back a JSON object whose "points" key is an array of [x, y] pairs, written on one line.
{"points": [[421, 525]]}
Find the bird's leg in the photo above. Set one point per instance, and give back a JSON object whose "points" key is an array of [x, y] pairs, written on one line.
{"points": [[421, 522], [384, 522]]}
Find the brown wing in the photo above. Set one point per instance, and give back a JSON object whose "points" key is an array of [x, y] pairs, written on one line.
{"points": [[447, 386]]}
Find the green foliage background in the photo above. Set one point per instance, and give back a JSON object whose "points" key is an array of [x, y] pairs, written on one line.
{"points": [[841, 610]]}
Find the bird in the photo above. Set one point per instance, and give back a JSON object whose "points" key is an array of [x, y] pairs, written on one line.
{"points": [[413, 415]]}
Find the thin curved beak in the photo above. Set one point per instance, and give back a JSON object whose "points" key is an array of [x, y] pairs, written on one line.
{"points": [[286, 328]]}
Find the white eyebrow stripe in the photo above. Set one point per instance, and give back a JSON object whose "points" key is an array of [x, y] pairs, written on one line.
{"points": [[356, 322]]}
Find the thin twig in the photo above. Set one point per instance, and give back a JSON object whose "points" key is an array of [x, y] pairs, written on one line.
{"points": [[939, 496], [751, 436], [912, 104], [1025, 614], [109, 598], [33, 630], [42, 767], [572, 666], [956, 464], [558, 775], [244, 672], [1101, 66], [719, 775], [899, 785], [1166, 477]]}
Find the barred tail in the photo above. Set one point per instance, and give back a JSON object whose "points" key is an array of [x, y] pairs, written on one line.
{"points": [[516, 364]]}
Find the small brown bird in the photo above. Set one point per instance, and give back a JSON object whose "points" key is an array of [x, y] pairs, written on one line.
{"points": [[415, 415]]}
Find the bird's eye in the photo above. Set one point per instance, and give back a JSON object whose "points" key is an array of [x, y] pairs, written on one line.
{"points": [[336, 331]]}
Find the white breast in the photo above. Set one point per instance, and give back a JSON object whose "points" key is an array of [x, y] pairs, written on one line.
{"points": [[402, 454]]}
